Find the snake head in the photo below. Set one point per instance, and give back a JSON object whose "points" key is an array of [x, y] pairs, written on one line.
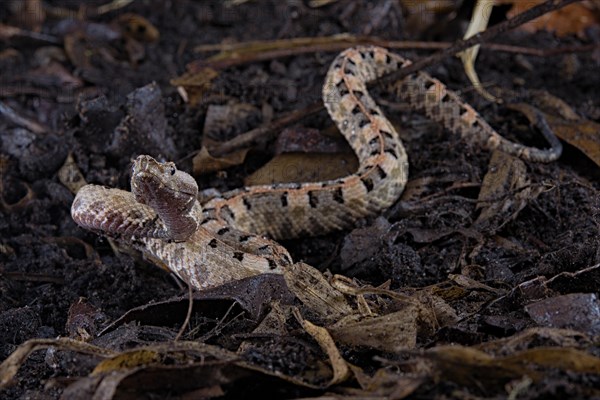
{"points": [[170, 192], [149, 175]]}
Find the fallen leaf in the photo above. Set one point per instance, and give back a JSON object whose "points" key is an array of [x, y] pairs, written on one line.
{"points": [[204, 162], [316, 293], [578, 311], [572, 19], [224, 121], [565, 123], [548, 337], [391, 332], [341, 371], [195, 84], [303, 167], [83, 320], [505, 191], [13, 362], [70, 175]]}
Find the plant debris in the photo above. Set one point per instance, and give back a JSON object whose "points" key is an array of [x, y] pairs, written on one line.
{"points": [[480, 282]]}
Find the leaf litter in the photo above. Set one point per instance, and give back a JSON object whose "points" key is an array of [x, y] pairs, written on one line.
{"points": [[481, 281]]}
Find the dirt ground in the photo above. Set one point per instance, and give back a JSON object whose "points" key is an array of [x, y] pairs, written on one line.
{"points": [[501, 278]]}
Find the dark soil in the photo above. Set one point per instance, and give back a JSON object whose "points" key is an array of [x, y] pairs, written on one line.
{"points": [[47, 263]]}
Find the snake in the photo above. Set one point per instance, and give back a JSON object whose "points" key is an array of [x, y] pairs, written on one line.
{"points": [[234, 235]]}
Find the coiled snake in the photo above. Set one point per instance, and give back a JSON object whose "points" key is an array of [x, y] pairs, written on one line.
{"points": [[224, 239]]}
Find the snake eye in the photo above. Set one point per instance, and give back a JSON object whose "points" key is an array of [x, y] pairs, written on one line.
{"points": [[173, 170]]}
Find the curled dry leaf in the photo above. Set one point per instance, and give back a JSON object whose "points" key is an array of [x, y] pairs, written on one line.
{"points": [[468, 366], [83, 320], [391, 332], [223, 121], [565, 123], [303, 167], [252, 294], [536, 337], [195, 85], [505, 191], [578, 311], [341, 371], [12, 363], [316, 293], [204, 162], [70, 175], [393, 327], [221, 124], [306, 155], [572, 19]]}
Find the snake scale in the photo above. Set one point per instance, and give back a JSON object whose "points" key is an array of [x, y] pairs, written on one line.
{"points": [[232, 236]]}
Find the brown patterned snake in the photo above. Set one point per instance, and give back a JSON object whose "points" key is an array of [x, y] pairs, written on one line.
{"points": [[212, 243]]}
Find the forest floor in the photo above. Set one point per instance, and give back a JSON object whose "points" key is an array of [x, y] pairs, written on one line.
{"points": [[481, 282]]}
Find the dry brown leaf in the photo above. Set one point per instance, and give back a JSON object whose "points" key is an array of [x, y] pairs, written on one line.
{"points": [[471, 284], [539, 337], [13, 362], [392, 332], [579, 311], [127, 360], [565, 123], [204, 163], [70, 175], [505, 191], [572, 19], [469, 366], [303, 167], [195, 85], [315, 292], [341, 371], [223, 121], [387, 383]]}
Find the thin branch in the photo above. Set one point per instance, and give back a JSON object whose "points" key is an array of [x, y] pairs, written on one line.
{"points": [[188, 315]]}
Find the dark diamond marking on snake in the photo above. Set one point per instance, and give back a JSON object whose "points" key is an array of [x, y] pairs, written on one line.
{"points": [[313, 200], [367, 182], [386, 134], [338, 195], [238, 255]]}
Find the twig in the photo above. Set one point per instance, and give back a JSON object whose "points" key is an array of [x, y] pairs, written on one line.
{"points": [[15, 118], [245, 56], [188, 315]]}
